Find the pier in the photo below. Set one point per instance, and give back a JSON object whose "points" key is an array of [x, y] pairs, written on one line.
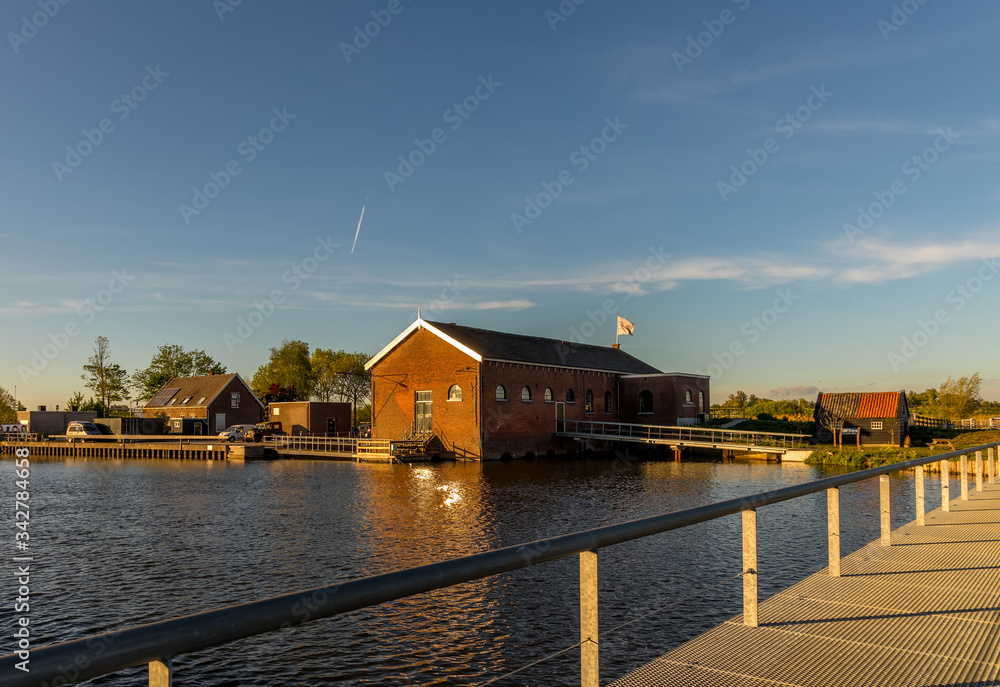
{"points": [[917, 607], [681, 437]]}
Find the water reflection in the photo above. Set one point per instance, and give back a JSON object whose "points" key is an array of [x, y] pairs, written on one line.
{"points": [[131, 542]]}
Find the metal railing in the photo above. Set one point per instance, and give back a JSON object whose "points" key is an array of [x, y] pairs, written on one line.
{"points": [[313, 444], [155, 644], [686, 434]]}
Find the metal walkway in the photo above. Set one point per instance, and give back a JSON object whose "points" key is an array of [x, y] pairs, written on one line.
{"points": [[925, 611], [683, 437]]}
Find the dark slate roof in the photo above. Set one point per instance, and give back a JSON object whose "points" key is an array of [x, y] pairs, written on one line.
{"points": [[195, 388], [541, 351], [866, 404]]}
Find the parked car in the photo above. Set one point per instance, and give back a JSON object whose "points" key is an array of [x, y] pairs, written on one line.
{"points": [[235, 432], [261, 430], [363, 431], [78, 428]]}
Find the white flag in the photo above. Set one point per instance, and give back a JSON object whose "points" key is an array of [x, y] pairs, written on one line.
{"points": [[625, 327]]}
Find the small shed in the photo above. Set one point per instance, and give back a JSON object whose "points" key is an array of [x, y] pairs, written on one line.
{"points": [[881, 418], [314, 418]]}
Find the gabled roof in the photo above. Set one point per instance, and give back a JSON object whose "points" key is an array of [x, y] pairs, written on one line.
{"points": [[484, 344], [200, 391], [863, 405]]}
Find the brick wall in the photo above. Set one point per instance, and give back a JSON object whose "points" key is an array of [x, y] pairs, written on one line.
{"points": [[423, 362], [669, 398], [310, 417], [516, 427]]}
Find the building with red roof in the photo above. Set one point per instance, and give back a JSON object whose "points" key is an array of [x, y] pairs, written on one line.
{"points": [[876, 418]]}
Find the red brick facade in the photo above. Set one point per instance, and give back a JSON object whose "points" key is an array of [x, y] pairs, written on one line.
{"points": [[675, 398], [423, 367], [316, 418], [423, 362], [517, 427]]}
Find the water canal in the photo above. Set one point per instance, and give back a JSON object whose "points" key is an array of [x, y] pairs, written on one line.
{"points": [[121, 544]]}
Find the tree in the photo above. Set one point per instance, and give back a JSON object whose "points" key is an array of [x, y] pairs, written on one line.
{"points": [[960, 398], [355, 382], [832, 422], [290, 368], [172, 361], [8, 407], [75, 401], [106, 379], [327, 366]]}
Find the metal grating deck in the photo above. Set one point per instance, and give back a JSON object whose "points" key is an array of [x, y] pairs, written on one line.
{"points": [[925, 611]]}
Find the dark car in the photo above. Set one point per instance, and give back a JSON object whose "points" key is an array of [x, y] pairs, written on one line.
{"points": [[263, 429]]}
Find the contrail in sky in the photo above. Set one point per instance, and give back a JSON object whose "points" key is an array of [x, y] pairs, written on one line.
{"points": [[360, 219]]}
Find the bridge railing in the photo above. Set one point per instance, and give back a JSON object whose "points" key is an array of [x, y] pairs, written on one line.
{"points": [[688, 433], [312, 444], [157, 643]]}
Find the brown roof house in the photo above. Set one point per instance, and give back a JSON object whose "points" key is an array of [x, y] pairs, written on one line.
{"points": [[866, 418], [222, 400], [486, 394]]}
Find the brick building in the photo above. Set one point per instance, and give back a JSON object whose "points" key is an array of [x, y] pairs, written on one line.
{"points": [[485, 394], [222, 400], [316, 418]]}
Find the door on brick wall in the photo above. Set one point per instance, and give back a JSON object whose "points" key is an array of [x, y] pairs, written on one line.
{"points": [[220, 423], [560, 416], [331, 426], [423, 412]]}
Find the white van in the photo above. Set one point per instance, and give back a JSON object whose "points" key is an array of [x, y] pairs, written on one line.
{"points": [[235, 432]]}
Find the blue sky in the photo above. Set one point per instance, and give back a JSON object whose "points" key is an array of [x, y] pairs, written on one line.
{"points": [[454, 118]]}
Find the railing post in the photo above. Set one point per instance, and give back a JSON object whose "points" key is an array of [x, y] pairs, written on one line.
{"points": [[963, 467], [161, 673], [979, 470], [833, 529], [920, 495], [589, 659], [989, 463], [944, 486], [883, 492], [750, 568]]}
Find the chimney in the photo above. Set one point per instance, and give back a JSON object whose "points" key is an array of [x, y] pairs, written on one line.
{"points": [[41, 409]]}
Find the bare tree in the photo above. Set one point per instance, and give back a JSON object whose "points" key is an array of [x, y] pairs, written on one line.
{"points": [[109, 381], [832, 422]]}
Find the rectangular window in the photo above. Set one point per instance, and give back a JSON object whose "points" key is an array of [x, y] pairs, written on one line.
{"points": [[236, 400], [877, 424], [275, 411]]}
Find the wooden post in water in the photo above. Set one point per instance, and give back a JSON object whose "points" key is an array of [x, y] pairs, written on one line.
{"points": [[589, 658], [750, 568], [919, 479], [944, 486], [979, 470], [963, 467], [833, 529], [883, 492]]}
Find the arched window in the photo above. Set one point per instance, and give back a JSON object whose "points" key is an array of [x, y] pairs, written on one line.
{"points": [[525, 394], [570, 396], [687, 396], [607, 402], [501, 393], [588, 401], [455, 393], [701, 401], [645, 401], [548, 394]]}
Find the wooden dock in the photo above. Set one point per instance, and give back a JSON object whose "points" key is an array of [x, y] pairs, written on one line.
{"points": [[128, 448], [923, 611]]}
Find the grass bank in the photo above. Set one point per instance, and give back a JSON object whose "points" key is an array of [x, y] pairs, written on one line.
{"points": [[883, 455]]}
